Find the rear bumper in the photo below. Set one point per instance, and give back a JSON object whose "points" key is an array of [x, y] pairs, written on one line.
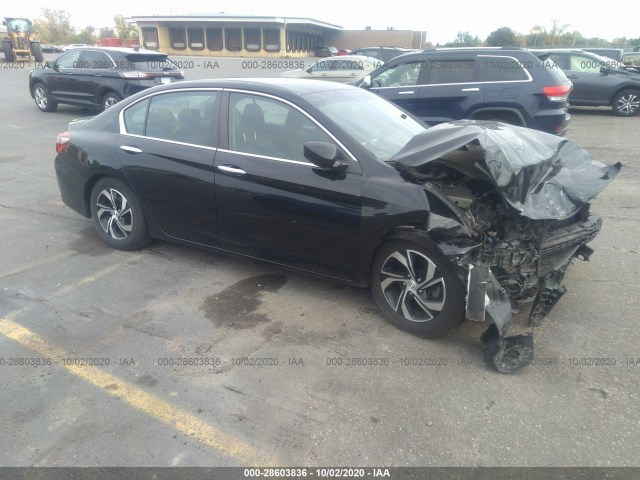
{"points": [[72, 187]]}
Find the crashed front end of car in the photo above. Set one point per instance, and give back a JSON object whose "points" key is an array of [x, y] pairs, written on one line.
{"points": [[509, 208]]}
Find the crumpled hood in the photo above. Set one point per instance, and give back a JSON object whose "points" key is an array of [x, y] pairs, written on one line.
{"points": [[542, 176]]}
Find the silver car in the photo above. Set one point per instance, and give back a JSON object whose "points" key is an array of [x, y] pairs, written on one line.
{"points": [[343, 69]]}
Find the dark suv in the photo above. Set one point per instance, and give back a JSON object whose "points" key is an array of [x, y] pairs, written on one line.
{"points": [[506, 84], [382, 53], [99, 77], [598, 81]]}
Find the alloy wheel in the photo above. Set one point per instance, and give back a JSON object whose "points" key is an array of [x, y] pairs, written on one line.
{"points": [[412, 285], [628, 104], [41, 97], [114, 214]]}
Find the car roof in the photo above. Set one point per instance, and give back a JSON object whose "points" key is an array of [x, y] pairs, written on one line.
{"points": [[296, 86], [124, 50]]}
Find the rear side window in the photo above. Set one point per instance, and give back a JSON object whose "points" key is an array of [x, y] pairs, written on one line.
{"points": [[97, 60], [185, 117], [452, 71], [135, 117], [501, 69], [148, 62]]}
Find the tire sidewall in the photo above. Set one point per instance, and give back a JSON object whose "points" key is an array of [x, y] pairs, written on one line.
{"points": [[51, 105], [139, 235], [451, 316], [617, 98]]}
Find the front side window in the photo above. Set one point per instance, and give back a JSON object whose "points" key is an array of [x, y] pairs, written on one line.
{"points": [[270, 128], [185, 117], [582, 63], [401, 75], [69, 60]]}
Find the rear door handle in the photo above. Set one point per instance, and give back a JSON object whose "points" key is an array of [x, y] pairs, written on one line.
{"points": [[129, 149], [232, 169], [406, 92], [471, 89]]}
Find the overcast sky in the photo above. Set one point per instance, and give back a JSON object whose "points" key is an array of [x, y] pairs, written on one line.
{"points": [[442, 21]]}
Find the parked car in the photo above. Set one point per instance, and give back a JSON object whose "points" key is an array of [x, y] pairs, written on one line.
{"points": [[598, 81], [613, 53], [99, 77], [382, 53], [49, 48], [71, 46], [507, 84], [344, 51], [326, 51], [631, 60], [345, 69], [444, 224]]}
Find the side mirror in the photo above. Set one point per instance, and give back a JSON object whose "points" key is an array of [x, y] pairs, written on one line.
{"points": [[48, 64], [322, 154], [366, 81], [604, 69], [308, 70]]}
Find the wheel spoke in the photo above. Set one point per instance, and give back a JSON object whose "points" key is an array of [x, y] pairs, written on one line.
{"points": [[123, 226], [401, 260]]}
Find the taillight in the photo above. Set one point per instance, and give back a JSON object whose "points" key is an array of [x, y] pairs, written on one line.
{"points": [[134, 74], [61, 141], [558, 93]]}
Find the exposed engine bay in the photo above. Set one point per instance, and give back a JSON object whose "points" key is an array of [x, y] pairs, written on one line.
{"points": [[509, 207]]}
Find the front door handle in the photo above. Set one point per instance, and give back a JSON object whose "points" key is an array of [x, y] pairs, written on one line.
{"points": [[406, 92], [129, 149], [471, 89], [231, 169]]}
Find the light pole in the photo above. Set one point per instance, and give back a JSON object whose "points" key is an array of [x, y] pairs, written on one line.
{"points": [[535, 31]]}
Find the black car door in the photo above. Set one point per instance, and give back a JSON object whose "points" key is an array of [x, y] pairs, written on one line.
{"points": [[272, 202], [167, 154], [590, 86], [61, 80], [400, 83], [96, 70]]}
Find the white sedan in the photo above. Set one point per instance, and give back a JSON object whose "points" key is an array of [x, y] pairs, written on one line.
{"points": [[344, 69]]}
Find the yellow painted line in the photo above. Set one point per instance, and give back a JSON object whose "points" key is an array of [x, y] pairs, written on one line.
{"points": [[34, 265], [152, 405]]}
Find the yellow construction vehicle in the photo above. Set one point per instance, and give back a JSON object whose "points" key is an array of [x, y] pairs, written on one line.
{"points": [[18, 42]]}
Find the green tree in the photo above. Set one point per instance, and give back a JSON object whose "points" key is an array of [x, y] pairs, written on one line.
{"points": [[54, 26], [124, 30], [464, 39], [107, 32], [502, 37], [86, 35]]}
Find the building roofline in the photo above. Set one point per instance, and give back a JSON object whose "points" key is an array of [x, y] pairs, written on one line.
{"points": [[233, 18]]}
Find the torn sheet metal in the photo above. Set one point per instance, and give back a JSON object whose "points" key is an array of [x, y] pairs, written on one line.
{"points": [[540, 175], [484, 293]]}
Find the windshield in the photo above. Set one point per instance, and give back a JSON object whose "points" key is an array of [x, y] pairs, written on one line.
{"points": [[376, 124]]}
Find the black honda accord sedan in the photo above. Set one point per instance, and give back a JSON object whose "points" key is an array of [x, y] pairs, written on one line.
{"points": [[444, 224]]}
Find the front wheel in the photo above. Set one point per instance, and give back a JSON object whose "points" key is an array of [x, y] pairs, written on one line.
{"points": [[416, 288], [117, 215], [109, 100], [43, 99], [9, 55], [626, 103], [36, 51]]}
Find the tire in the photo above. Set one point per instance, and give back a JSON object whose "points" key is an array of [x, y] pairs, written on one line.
{"points": [[36, 51], [9, 56], [43, 99], [117, 215], [428, 312], [626, 103], [109, 100]]}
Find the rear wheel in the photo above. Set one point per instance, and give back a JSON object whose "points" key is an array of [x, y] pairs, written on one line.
{"points": [[626, 103], [9, 56], [109, 100], [36, 51], [416, 288], [42, 98], [117, 215]]}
